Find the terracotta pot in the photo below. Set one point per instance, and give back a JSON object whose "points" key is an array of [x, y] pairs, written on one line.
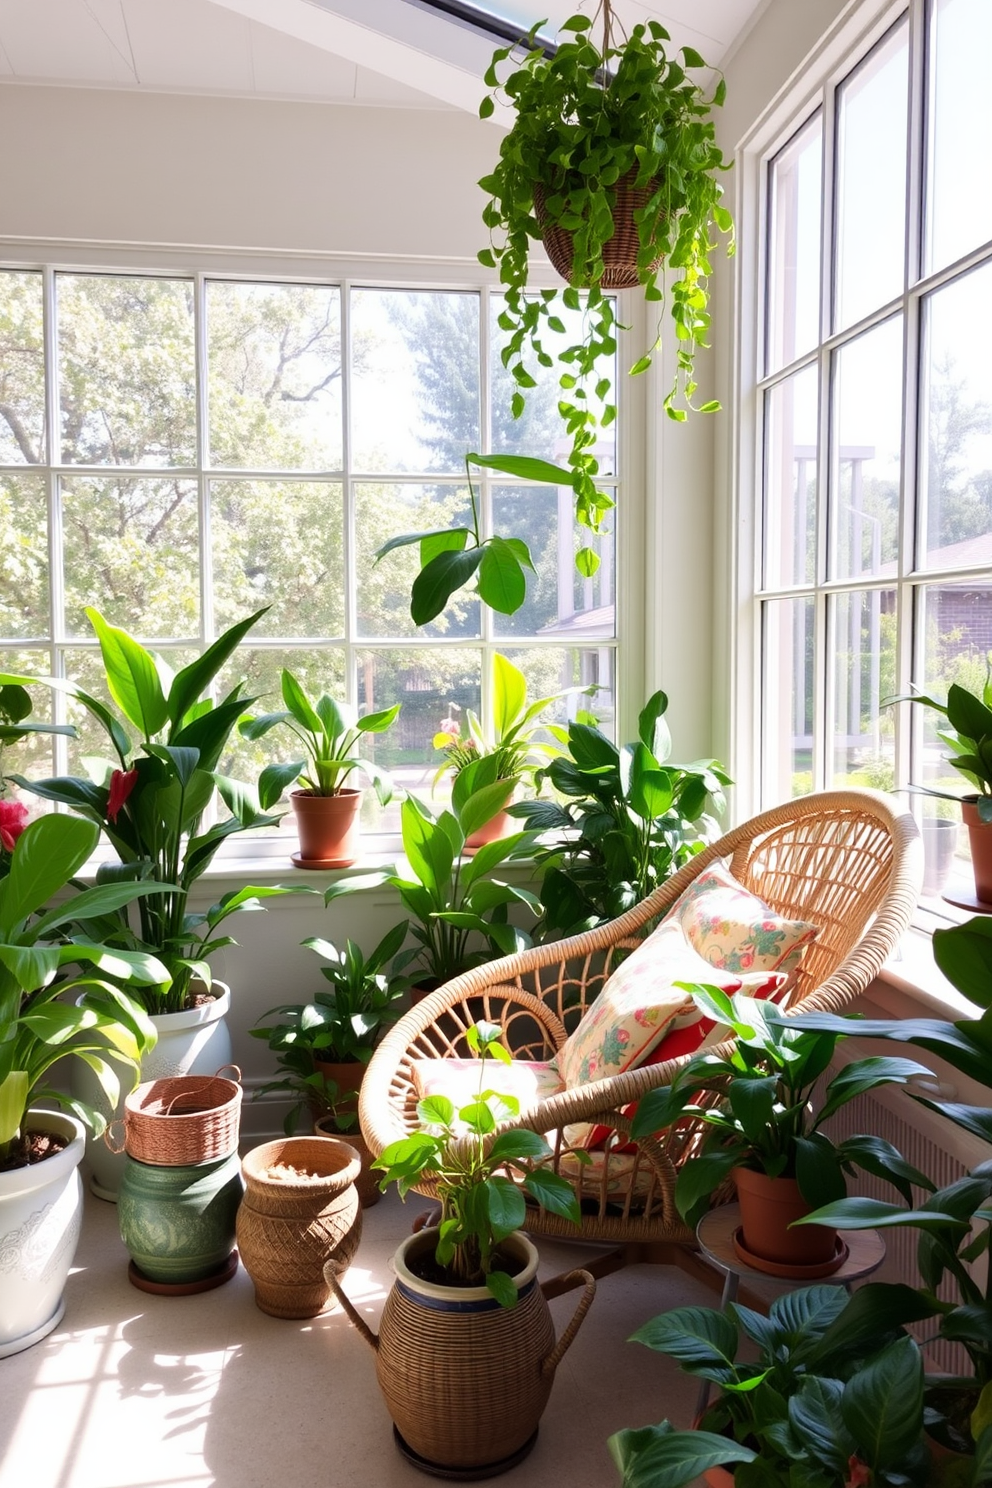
{"points": [[980, 838], [719, 1477], [178, 1222], [768, 1208], [367, 1182], [496, 827], [328, 827], [465, 1380], [291, 1223]]}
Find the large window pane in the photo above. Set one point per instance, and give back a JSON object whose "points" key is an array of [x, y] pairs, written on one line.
{"points": [[787, 692], [790, 480], [871, 194], [23, 557], [794, 247], [275, 376], [559, 600], [958, 403], [22, 370], [385, 511], [415, 389], [540, 430], [431, 684], [863, 637], [279, 543], [127, 381], [131, 550], [959, 215], [867, 432]]}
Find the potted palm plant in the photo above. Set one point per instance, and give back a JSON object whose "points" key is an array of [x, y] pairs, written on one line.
{"points": [[611, 157], [323, 1047], [40, 1150], [326, 808], [466, 1381], [149, 799], [764, 1133]]}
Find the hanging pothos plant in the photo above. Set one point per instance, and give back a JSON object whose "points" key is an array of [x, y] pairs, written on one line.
{"points": [[612, 159]]}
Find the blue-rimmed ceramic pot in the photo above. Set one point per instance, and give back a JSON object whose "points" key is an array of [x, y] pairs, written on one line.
{"points": [[466, 1380]]}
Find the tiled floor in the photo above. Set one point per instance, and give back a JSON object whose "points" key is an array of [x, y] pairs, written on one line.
{"points": [[133, 1391]]}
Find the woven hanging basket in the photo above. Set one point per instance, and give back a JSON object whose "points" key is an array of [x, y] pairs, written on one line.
{"points": [[619, 252], [181, 1120]]}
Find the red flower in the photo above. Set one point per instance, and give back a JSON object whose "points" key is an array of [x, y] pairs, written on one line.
{"points": [[13, 820], [122, 783], [858, 1473]]}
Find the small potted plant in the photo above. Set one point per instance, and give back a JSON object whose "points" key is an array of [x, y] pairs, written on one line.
{"points": [[40, 1150], [611, 157], [323, 1046], [326, 808], [445, 1356], [458, 911], [765, 1135], [624, 820], [513, 752], [807, 1405]]}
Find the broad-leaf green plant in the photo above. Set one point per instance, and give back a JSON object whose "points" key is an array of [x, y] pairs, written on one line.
{"points": [[803, 1410], [150, 795], [458, 911], [968, 738], [330, 733], [481, 1174], [625, 820], [40, 1023], [584, 118], [339, 1026]]}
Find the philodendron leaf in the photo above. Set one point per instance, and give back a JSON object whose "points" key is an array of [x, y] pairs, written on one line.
{"points": [[502, 1288], [131, 676], [438, 580], [502, 585], [661, 1457]]}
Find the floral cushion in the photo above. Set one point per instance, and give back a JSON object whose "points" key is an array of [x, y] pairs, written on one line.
{"points": [[529, 1081], [734, 930], [636, 1007]]}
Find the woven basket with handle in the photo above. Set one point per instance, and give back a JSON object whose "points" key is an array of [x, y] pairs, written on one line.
{"points": [[181, 1119]]}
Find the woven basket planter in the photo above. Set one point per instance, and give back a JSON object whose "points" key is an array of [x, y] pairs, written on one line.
{"points": [[181, 1120], [466, 1380], [367, 1182], [300, 1210], [619, 252]]}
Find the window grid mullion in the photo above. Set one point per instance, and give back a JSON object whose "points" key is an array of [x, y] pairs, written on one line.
{"points": [[203, 486], [53, 497], [349, 538]]}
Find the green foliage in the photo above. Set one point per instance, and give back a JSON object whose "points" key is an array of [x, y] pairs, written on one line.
{"points": [[459, 913], [625, 820], [764, 1119], [585, 119], [340, 1026], [37, 1028], [329, 732], [150, 797], [968, 737], [471, 1164], [810, 1409]]}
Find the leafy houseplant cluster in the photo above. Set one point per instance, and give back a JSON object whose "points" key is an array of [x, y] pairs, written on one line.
{"points": [[599, 129], [625, 820], [481, 1204], [148, 799]]}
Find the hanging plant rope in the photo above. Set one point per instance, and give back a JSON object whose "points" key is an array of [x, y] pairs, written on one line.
{"points": [[599, 132]]}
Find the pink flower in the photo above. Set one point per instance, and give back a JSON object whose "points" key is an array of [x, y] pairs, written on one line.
{"points": [[13, 820], [122, 783]]}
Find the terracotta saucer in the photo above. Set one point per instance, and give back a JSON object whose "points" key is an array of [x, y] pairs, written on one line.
{"points": [[183, 1288], [791, 1273], [321, 862]]}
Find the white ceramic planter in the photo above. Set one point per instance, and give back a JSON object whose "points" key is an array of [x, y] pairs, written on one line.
{"points": [[41, 1210], [197, 1042]]}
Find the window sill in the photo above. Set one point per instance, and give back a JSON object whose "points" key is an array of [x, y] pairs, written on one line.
{"points": [[910, 982]]}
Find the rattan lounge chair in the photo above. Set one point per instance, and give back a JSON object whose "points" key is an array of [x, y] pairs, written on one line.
{"points": [[847, 861]]}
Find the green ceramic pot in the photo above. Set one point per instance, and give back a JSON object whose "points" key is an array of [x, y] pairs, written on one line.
{"points": [[178, 1223]]}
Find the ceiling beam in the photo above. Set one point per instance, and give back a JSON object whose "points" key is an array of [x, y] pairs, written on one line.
{"points": [[406, 44]]}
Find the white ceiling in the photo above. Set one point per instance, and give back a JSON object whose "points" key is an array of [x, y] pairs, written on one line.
{"points": [[387, 52]]}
